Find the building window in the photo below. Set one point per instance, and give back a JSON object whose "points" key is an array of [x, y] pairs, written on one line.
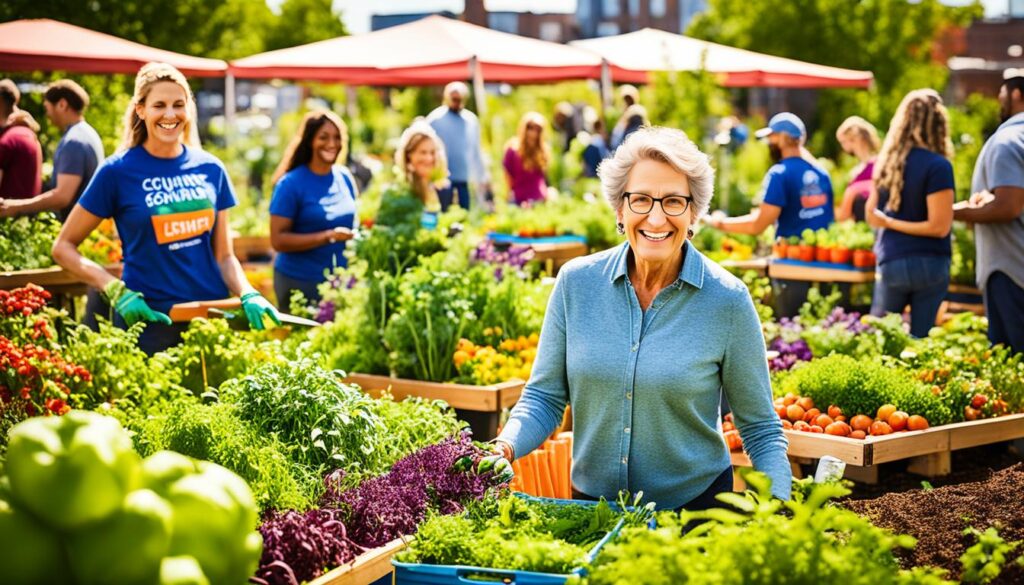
{"points": [[607, 29], [504, 21], [551, 32], [657, 8], [609, 8], [634, 8]]}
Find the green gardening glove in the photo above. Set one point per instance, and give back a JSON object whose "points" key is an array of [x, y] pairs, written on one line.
{"points": [[132, 306], [255, 307]]}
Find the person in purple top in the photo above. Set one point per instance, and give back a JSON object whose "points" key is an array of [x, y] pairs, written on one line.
{"points": [[912, 207], [857, 137], [526, 160]]}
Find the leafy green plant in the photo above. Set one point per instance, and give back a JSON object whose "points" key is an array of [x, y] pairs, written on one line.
{"points": [[985, 559], [27, 241], [759, 540], [325, 423]]}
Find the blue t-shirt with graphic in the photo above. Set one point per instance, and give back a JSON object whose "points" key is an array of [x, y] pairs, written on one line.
{"points": [[314, 203], [803, 191], [165, 210], [926, 172]]}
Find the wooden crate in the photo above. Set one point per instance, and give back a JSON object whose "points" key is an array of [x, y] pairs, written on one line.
{"points": [[480, 406], [929, 449], [366, 568], [553, 256], [813, 274]]}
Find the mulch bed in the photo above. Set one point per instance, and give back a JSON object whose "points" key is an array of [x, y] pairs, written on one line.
{"points": [[937, 518]]}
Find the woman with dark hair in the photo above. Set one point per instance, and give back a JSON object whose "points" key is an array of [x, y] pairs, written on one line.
{"points": [[313, 209]]}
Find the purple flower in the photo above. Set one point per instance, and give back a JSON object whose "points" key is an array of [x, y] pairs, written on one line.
{"points": [[325, 312], [297, 547]]}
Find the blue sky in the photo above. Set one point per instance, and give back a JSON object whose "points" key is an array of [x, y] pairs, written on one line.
{"points": [[356, 13]]}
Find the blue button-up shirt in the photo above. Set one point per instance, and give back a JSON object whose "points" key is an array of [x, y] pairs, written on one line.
{"points": [[646, 386]]}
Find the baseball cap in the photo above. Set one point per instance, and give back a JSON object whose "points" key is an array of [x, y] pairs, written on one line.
{"points": [[785, 123]]}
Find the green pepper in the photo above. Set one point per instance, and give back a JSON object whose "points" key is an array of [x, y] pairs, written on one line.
{"points": [[71, 470], [214, 515], [30, 553], [126, 548], [182, 571]]}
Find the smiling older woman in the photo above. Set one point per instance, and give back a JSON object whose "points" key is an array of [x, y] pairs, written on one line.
{"points": [[643, 339]]}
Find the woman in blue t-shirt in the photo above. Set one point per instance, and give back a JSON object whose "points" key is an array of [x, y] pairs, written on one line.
{"points": [[313, 210], [169, 200], [912, 205]]}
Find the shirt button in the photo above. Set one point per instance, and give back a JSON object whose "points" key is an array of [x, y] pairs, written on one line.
{"points": [[629, 395], [636, 346], [625, 460], [626, 430]]}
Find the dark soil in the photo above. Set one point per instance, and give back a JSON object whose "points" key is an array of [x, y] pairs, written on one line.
{"points": [[937, 518]]}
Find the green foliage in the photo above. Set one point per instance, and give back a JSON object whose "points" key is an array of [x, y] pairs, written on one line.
{"points": [[210, 353], [687, 100], [964, 261], [325, 423], [861, 387], [411, 424], [969, 123], [396, 240], [513, 533], [215, 432], [27, 241], [122, 374], [765, 542], [985, 559], [304, 21], [588, 216]]}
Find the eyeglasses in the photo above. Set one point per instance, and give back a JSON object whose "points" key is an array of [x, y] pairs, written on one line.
{"points": [[672, 205]]}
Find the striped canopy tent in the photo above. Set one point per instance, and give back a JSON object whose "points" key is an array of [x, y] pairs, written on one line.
{"points": [[50, 45], [633, 56]]}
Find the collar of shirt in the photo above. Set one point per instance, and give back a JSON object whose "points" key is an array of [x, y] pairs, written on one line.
{"points": [[692, 271], [1013, 121]]}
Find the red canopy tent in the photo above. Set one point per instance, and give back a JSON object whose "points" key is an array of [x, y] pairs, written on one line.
{"points": [[430, 51], [633, 55], [49, 45]]}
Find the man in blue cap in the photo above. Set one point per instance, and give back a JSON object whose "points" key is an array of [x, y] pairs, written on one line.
{"points": [[796, 194]]}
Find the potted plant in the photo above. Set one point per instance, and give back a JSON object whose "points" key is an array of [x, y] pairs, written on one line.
{"points": [[793, 249], [823, 252], [808, 240], [861, 244]]}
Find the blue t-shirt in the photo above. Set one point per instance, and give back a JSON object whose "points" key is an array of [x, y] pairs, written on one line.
{"points": [[79, 152], [314, 203], [165, 210], [803, 191], [926, 172]]}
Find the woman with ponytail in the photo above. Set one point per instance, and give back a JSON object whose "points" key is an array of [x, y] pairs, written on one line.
{"points": [[912, 207], [169, 200]]}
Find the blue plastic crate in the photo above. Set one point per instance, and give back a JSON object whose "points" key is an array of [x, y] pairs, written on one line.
{"points": [[421, 574]]}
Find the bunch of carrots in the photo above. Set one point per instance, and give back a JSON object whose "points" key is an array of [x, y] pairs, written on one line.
{"points": [[545, 472]]}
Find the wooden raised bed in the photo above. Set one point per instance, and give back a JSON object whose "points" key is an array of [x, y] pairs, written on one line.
{"points": [[54, 279], [812, 274], [553, 256], [249, 248], [366, 568], [929, 450], [480, 406]]}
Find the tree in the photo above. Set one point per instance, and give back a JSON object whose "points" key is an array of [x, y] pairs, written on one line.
{"points": [[891, 38], [304, 21]]}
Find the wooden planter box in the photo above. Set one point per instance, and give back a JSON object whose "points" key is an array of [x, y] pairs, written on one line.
{"points": [[480, 406], [54, 279], [788, 271], [366, 568], [553, 256], [250, 248], [929, 449]]}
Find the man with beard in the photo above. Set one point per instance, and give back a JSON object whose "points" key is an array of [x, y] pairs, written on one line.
{"points": [[996, 209], [796, 194]]}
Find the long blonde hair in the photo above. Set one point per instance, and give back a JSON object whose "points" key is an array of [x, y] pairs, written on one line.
{"points": [[922, 121], [534, 157], [300, 150], [411, 138], [863, 129], [154, 72]]}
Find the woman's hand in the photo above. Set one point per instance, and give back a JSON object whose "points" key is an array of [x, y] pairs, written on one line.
{"points": [[338, 234], [255, 307], [878, 219]]}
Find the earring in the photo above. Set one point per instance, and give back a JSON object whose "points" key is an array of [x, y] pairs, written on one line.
{"points": [[689, 233], [620, 228]]}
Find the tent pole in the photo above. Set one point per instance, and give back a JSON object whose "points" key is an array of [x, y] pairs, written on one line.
{"points": [[606, 86], [229, 108], [476, 75]]}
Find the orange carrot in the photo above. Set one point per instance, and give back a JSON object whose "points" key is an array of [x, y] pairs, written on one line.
{"points": [[529, 478], [564, 467], [543, 473]]}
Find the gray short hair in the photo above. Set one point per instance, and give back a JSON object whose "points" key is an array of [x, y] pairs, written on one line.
{"points": [[666, 145]]}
